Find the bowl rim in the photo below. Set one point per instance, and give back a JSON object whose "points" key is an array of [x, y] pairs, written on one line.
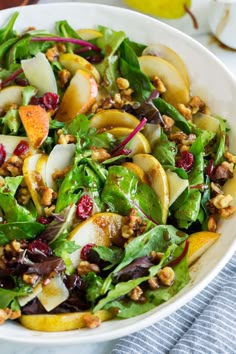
{"points": [[162, 312]]}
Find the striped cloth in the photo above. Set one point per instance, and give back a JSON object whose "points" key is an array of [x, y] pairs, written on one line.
{"points": [[205, 325]]}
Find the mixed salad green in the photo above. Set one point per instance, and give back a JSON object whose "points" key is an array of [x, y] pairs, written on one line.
{"points": [[105, 173]]}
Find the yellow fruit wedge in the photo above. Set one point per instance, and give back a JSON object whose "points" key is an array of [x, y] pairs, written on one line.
{"points": [[176, 185], [207, 122], [158, 179], [99, 229], [33, 180], [176, 89], [138, 144], [199, 243], [88, 33], [10, 142], [164, 52], [53, 294], [10, 95], [61, 322], [79, 96], [112, 118], [39, 73], [138, 171], [230, 188], [41, 166], [73, 62]]}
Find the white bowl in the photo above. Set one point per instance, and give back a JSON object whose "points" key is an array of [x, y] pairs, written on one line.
{"points": [[209, 79]]}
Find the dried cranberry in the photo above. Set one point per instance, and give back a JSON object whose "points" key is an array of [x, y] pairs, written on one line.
{"points": [[210, 169], [122, 151], [2, 154], [38, 246], [43, 220], [74, 281], [50, 100], [85, 251], [84, 207], [36, 101], [94, 59], [21, 148], [186, 161], [21, 82]]}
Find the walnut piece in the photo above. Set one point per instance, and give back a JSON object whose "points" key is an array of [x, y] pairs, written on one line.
{"points": [[92, 321], [85, 267], [166, 276], [135, 294]]}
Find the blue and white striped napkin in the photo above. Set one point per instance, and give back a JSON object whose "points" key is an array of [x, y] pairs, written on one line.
{"points": [[206, 325]]}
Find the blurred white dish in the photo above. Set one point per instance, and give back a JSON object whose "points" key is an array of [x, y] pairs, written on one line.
{"points": [[210, 79]]}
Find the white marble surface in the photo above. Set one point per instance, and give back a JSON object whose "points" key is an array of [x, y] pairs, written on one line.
{"points": [[228, 57]]}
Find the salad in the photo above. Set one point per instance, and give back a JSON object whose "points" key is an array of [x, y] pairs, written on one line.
{"points": [[113, 177]]}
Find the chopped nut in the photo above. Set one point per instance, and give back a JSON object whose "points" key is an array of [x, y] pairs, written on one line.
{"points": [[159, 85], [65, 138], [196, 104], [221, 201], [13, 166], [52, 53], [183, 148], [16, 246], [135, 294], [61, 173], [224, 171], [168, 122], [12, 315], [85, 267], [92, 321], [126, 231], [230, 157], [216, 188], [23, 196], [118, 102], [185, 111], [156, 256], [178, 136], [30, 278], [166, 276], [228, 211], [153, 283], [47, 195], [63, 77], [122, 83], [211, 225], [189, 140], [3, 316], [99, 154]]}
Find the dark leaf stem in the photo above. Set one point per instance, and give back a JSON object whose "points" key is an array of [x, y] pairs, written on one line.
{"points": [[67, 40], [11, 77]]}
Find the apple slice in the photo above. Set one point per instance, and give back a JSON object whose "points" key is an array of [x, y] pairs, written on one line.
{"points": [[164, 52], [10, 142], [61, 322], [61, 157], [176, 89], [39, 73], [207, 122], [138, 144], [199, 243], [112, 118], [33, 180], [88, 33], [79, 96], [53, 294], [100, 229], [36, 123], [158, 179], [176, 185], [73, 62], [10, 95]]}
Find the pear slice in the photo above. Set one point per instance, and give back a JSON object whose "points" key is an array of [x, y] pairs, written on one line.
{"points": [[39, 73], [79, 96], [176, 89], [53, 294], [10, 142], [41, 166], [207, 122], [138, 171], [138, 144], [112, 118], [88, 33], [176, 185], [61, 157], [199, 243], [73, 62], [158, 179], [164, 52], [100, 229], [230, 187], [33, 180], [61, 322], [10, 95]]}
